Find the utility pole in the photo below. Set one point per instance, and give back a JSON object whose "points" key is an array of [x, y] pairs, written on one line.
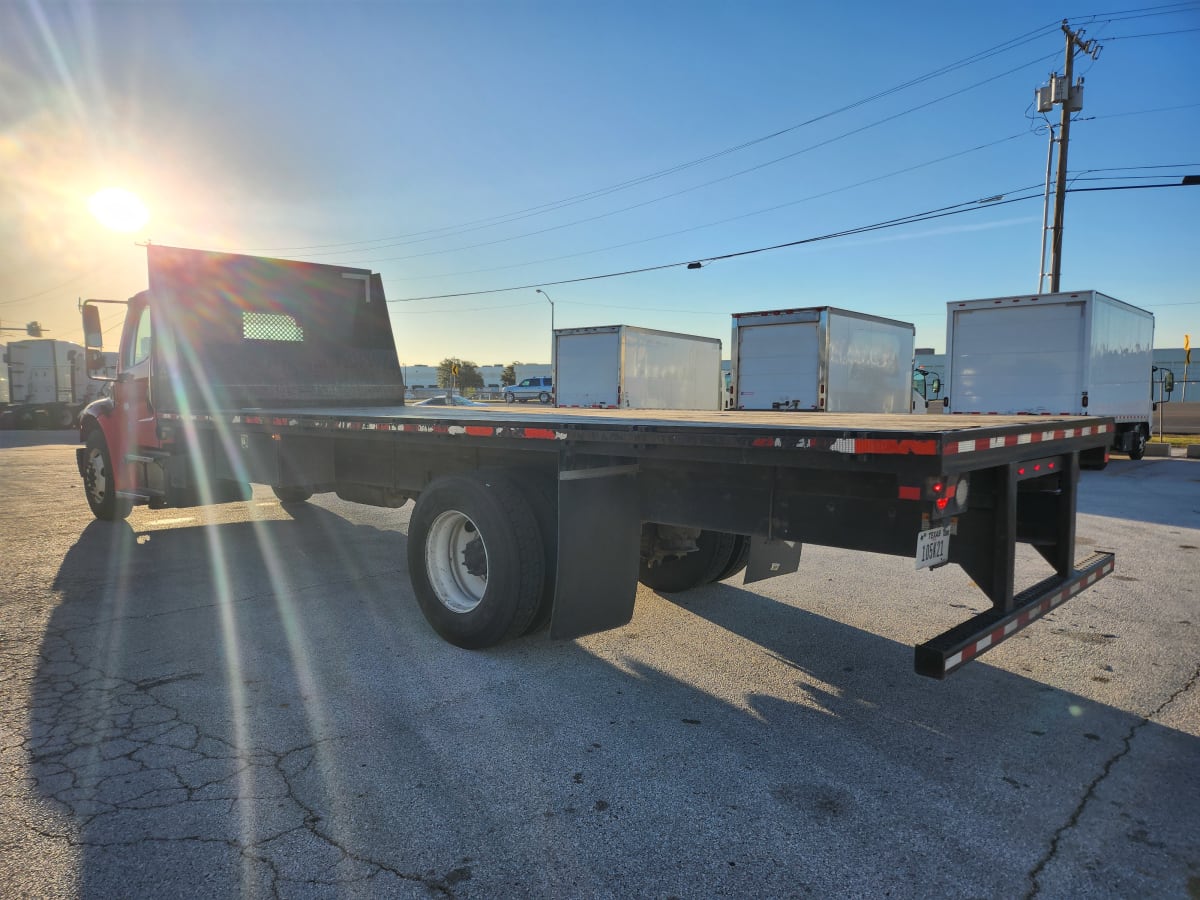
{"points": [[1070, 97]]}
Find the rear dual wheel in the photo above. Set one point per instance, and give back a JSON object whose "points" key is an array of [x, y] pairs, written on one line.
{"points": [[477, 559], [718, 556]]}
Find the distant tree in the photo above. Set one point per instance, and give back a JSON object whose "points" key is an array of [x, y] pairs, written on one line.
{"points": [[468, 376], [509, 374]]}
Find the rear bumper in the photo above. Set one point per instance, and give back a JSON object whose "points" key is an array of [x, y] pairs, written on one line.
{"points": [[950, 650]]}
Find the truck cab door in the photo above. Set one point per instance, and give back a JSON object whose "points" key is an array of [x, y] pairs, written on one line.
{"points": [[131, 391]]}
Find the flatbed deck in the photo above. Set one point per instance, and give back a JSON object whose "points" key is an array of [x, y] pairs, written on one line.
{"points": [[691, 418], [932, 442]]}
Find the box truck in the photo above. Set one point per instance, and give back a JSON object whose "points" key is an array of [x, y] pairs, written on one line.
{"points": [[822, 358], [627, 367], [1079, 352], [48, 383], [284, 374]]}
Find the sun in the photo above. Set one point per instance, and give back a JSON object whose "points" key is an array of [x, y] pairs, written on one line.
{"points": [[118, 209]]}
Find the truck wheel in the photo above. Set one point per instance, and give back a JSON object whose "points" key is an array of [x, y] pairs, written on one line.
{"points": [[475, 558], [292, 495], [543, 397], [67, 419], [700, 567], [738, 557], [1137, 449], [98, 483]]}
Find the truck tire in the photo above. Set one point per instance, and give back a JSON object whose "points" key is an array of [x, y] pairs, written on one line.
{"points": [[475, 557], [290, 496], [738, 557], [98, 484], [1137, 446], [700, 567]]}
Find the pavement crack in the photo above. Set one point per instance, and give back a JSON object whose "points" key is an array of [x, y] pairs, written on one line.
{"points": [[150, 683], [1089, 794]]}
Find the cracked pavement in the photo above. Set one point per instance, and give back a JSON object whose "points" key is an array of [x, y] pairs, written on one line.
{"points": [[242, 702]]}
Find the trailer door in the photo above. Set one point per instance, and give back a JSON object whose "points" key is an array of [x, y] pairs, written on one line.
{"points": [[587, 369], [777, 366], [1026, 359]]}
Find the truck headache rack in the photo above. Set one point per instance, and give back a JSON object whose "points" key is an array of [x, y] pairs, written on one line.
{"points": [[951, 649]]}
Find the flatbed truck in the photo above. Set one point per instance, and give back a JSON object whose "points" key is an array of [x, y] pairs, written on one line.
{"points": [[240, 370]]}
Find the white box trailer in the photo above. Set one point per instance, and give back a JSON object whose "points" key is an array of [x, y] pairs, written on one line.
{"points": [[1077, 352], [46, 371], [48, 383], [822, 358], [627, 367]]}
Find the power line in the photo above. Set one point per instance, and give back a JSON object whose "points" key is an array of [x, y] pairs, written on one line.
{"points": [[1126, 37], [696, 263], [1140, 112], [57, 287], [705, 184], [507, 218], [445, 231], [726, 220], [942, 212], [1146, 12]]}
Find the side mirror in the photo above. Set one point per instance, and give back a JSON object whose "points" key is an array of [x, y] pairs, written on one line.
{"points": [[95, 360], [1168, 382], [935, 385], [93, 337]]}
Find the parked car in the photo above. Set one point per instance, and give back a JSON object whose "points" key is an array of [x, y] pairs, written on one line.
{"points": [[448, 400], [540, 388]]}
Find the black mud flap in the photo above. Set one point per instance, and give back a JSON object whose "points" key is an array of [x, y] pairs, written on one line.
{"points": [[599, 541], [770, 557], [952, 649]]}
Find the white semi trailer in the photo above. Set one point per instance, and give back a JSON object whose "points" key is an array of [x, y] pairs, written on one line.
{"points": [[48, 383]]}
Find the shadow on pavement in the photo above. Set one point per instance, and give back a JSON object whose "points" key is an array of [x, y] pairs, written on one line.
{"points": [[259, 708]]}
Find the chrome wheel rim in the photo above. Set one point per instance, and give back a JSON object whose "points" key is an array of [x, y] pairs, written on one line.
{"points": [[97, 482]]}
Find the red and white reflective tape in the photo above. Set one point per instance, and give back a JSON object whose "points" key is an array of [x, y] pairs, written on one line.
{"points": [[874, 446], [535, 434], [1029, 437], [1014, 625]]}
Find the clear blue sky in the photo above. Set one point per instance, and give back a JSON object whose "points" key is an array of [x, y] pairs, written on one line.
{"points": [[435, 142]]}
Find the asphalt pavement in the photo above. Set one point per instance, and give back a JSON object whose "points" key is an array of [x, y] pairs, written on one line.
{"points": [[242, 701]]}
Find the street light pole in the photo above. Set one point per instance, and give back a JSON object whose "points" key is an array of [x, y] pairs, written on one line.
{"points": [[547, 296]]}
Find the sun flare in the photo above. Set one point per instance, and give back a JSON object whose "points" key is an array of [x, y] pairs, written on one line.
{"points": [[118, 209]]}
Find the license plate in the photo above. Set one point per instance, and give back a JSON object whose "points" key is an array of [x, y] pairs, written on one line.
{"points": [[933, 547]]}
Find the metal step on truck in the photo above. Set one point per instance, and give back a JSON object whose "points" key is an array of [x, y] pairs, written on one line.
{"points": [[238, 370]]}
